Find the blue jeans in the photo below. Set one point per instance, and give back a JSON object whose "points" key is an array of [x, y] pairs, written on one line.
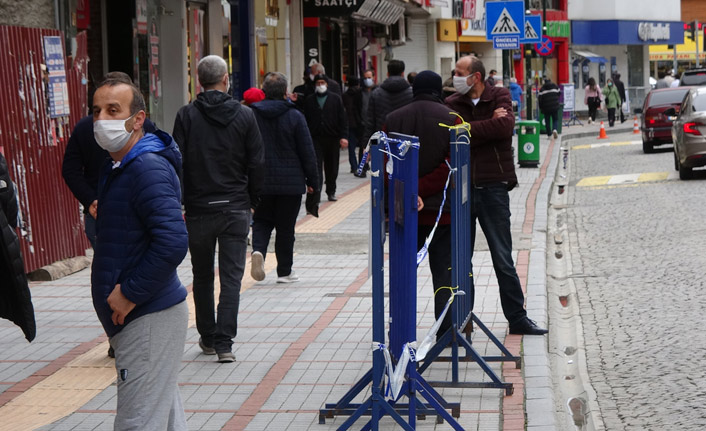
{"points": [[90, 228], [550, 121], [352, 145], [491, 207], [230, 229]]}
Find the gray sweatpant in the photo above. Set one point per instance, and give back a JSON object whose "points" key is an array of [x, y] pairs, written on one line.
{"points": [[148, 355]]}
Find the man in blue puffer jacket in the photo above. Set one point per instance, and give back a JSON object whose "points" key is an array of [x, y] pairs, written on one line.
{"points": [[141, 239]]}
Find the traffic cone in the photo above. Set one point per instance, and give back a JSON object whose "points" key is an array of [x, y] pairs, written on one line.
{"points": [[635, 127], [602, 135]]}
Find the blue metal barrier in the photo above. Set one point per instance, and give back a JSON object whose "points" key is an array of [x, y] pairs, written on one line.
{"points": [[403, 299], [459, 335]]}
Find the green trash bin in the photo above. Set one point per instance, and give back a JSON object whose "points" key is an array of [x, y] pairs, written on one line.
{"points": [[543, 130], [528, 143]]}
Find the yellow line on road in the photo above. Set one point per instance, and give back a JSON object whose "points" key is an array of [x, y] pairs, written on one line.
{"points": [[622, 179], [605, 144]]}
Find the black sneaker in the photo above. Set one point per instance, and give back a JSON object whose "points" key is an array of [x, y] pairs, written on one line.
{"points": [[205, 349], [527, 326], [332, 198], [111, 352], [226, 357]]}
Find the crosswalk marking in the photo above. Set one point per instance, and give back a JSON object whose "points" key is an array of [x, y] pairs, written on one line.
{"points": [[605, 144], [611, 180]]}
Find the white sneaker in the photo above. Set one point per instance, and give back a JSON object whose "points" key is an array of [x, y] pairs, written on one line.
{"points": [[291, 278], [257, 266], [554, 134]]}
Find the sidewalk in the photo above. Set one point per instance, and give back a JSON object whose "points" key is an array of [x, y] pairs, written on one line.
{"points": [[298, 346]]}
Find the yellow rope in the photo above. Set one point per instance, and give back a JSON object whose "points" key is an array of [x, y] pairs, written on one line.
{"points": [[464, 125]]}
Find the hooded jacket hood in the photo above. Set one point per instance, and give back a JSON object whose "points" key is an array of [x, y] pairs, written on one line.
{"points": [[217, 107], [395, 84], [272, 108], [159, 142]]}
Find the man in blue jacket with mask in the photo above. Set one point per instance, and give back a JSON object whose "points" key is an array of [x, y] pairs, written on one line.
{"points": [[141, 239]]}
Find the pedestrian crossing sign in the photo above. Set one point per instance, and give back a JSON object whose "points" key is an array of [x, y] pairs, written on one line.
{"points": [[532, 32], [504, 18]]}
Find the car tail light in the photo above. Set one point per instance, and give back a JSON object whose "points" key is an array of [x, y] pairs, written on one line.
{"points": [[651, 120], [691, 128]]}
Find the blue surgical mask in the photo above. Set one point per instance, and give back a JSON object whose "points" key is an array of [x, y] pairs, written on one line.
{"points": [[368, 82]]}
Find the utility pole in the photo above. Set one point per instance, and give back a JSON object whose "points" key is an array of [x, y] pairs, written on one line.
{"points": [[528, 71], [544, 28]]}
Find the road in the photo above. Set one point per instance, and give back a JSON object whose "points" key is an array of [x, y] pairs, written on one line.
{"points": [[635, 237]]}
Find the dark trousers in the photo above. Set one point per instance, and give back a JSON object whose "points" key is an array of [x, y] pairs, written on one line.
{"points": [[491, 207], [593, 105], [611, 116], [230, 229], [328, 154], [551, 118], [622, 114], [277, 212], [440, 266], [352, 145]]}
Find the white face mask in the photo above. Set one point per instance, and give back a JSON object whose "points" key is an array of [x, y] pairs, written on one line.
{"points": [[461, 84], [368, 82], [111, 134], [321, 89]]}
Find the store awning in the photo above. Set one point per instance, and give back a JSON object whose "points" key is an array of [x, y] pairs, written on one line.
{"points": [[591, 56], [381, 11]]}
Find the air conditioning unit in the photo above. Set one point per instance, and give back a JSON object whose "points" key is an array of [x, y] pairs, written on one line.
{"points": [[398, 33]]}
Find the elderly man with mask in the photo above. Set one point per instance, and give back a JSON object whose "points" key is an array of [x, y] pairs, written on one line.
{"points": [[489, 111], [141, 239]]}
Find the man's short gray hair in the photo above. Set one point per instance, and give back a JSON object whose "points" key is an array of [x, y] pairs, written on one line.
{"points": [[318, 67], [211, 70], [275, 86]]}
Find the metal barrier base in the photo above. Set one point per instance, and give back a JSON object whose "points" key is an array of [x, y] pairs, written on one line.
{"points": [[456, 338], [376, 406]]}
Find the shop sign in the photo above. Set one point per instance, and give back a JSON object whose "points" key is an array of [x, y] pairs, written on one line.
{"points": [[653, 31], [558, 29], [330, 7], [473, 27], [83, 14], [155, 81], [141, 8]]}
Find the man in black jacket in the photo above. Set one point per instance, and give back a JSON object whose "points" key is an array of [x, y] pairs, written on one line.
{"points": [[393, 93], [328, 125], [353, 102], [620, 86], [421, 118], [15, 299], [223, 165], [290, 171], [549, 105]]}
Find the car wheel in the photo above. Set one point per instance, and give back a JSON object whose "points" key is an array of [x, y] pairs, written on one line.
{"points": [[684, 172], [647, 147], [676, 160]]}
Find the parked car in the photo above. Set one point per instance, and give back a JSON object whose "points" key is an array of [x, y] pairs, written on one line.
{"points": [[689, 132], [656, 127], [693, 77]]}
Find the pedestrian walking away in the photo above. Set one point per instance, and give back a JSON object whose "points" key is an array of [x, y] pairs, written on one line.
{"points": [[15, 298], [592, 98], [223, 175], [328, 125], [549, 105], [612, 101], [422, 118], [623, 99], [489, 112], [290, 171], [353, 103], [140, 241]]}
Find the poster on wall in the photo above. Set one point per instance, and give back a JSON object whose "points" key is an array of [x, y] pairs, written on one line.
{"points": [[155, 81], [56, 71], [141, 12], [569, 97]]}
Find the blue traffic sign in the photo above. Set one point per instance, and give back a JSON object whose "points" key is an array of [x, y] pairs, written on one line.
{"points": [[504, 18], [545, 47], [532, 32], [506, 42]]}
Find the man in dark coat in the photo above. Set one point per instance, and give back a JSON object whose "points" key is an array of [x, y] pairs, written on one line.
{"points": [[395, 92], [421, 118], [15, 299], [620, 86], [333, 86], [141, 240], [353, 103], [489, 112], [328, 125], [290, 171], [548, 99], [223, 173]]}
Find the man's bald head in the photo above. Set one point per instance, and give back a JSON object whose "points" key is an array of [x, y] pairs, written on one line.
{"points": [[470, 64]]}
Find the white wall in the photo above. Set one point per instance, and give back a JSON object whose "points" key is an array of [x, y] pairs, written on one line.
{"points": [[630, 10], [414, 53], [173, 58]]}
